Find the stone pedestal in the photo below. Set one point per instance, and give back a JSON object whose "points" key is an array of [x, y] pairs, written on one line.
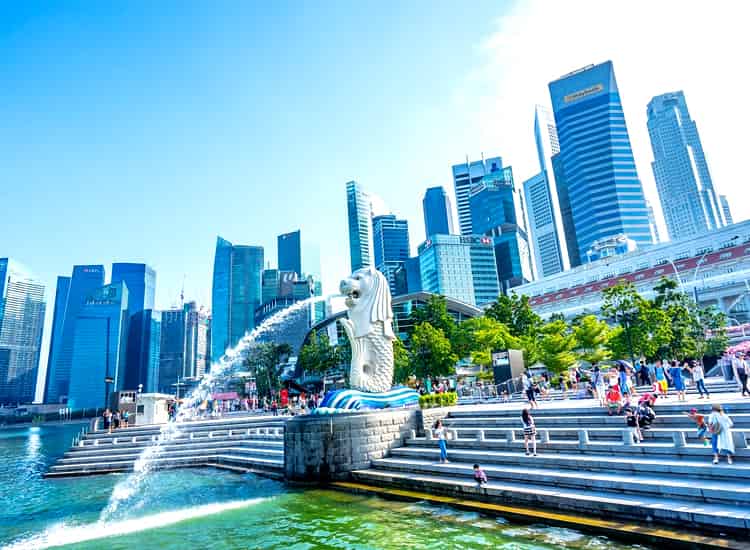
{"points": [[318, 449]]}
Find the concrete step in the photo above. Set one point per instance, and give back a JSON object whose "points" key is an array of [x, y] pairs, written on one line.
{"points": [[102, 450], [591, 409], [634, 465], [545, 421], [132, 456], [665, 485], [194, 427], [572, 433], [675, 511], [143, 443]]}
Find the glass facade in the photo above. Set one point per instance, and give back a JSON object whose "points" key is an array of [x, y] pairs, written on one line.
{"points": [[142, 363], [172, 350], [141, 282], [601, 182], [359, 214], [726, 210], [22, 309], [459, 267], [99, 347], [85, 280], [497, 211], [58, 316], [690, 204], [464, 176], [196, 340], [236, 293], [290, 252], [391, 246], [438, 214]]}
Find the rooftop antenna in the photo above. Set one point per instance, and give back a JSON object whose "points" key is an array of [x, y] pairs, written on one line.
{"points": [[182, 293]]}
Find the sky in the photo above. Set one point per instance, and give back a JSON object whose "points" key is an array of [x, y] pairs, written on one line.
{"points": [[139, 131]]}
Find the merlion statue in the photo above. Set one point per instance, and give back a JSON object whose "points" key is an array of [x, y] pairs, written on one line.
{"points": [[369, 328], [368, 325]]}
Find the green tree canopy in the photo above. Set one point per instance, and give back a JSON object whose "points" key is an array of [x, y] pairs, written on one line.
{"points": [[479, 337], [592, 337], [431, 353], [556, 345], [263, 361], [515, 312], [434, 312], [318, 355], [402, 367]]}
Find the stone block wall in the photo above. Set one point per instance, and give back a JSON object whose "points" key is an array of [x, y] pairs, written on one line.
{"points": [[318, 449], [427, 418]]}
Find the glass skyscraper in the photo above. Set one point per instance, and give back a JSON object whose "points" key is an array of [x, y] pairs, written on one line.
{"points": [[690, 204], [464, 176], [144, 342], [290, 252], [438, 214], [726, 210], [497, 211], [601, 183], [85, 280], [171, 350], [236, 293], [141, 282], [359, 213], [391, 245], [460, 267], [22, 309], [99, 347]]}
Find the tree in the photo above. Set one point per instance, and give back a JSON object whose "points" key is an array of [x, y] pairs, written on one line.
{"points": [[556, 345], [479, 337], [402, 367], [431, 353], [515, 312], [712, 339], [592, 337], [434, 312], [263, 361], [318, 355]]}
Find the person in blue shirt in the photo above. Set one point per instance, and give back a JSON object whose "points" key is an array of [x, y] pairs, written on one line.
{"points": [[675, 373]]}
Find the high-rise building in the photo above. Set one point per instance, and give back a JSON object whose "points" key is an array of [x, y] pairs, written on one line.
{"points": [[85, 280], [546, 226], [438, 214], [99, 347], [141, 282], [290, 252], [22, 308], [688, 199], [460, 267], [464, 176], [144, 345], [172, 350], [725, 209], [390, 245], [408, 277], [236, 293], [359, 212], [652, 223], [598, 170], [497, 211], [196, 340], [58, 316]]}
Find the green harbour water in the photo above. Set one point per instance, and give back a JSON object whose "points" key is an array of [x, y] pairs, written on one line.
{"points": [[206, 508]]}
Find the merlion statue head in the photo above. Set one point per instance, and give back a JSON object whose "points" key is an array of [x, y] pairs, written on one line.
{"points": [[368, 298]]}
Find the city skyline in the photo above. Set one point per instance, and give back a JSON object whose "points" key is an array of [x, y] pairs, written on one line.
{"points": [[81, 151]]}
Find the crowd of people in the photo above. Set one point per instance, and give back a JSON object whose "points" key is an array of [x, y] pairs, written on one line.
{"points": [[115, 420]]}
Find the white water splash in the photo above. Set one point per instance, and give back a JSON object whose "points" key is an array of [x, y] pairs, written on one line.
{"points": [[62, 533], [232, 359]]}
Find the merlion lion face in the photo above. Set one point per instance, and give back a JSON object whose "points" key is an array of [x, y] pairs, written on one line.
{"points": [[358, 288], [368, 299]]}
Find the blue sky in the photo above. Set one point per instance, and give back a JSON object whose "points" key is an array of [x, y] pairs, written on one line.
{"points": [[139, 131]]}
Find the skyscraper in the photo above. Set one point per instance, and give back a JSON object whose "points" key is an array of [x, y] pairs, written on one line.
{"points": [[85, 280], [390, 245], [141, 282], [236, 293], [460, 267], [99, 347], [725, 209], [290, 252], [172, 349], [196, 361], [464, 176], [438, 214], [22, 308], [58, 316], [652, 223], [601, 182], [144, 343], [546, 227], [497, 211], [688, 199], [359, 212]]}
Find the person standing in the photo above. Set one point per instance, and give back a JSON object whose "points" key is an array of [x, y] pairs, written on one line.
{"points": [[720, 426], [107, 420], [644, 374], [528, 387], [442, 440], [741, 373], [660, 375], [699, 377], [675, 373], [597, 383], [529, 431]]}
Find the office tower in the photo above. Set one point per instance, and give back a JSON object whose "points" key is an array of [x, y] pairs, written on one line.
{"points": [[408, 277], [390, 245], [652, 223], [547, 230], [497, 211], [196, 340], [290, 252], [22, 308], [58, 316], [359, 212], [460, 267], [464, 176], [84, 280], [144, 345], [141, 282], [236, 293], [172, 350], [688, 199], [438, 214], [597, 167], [99, 347], [725, 209]]}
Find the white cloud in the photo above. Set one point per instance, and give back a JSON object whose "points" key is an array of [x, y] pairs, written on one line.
{"points": [[656, 47]]}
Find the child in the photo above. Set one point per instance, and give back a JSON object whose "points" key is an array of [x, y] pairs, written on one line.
{"points": [[700, 423], [632, 420], [529, 431], [614, 400], [479, 476]]}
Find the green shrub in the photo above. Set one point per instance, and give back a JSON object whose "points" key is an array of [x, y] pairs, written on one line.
{"points": [[430, 400]]}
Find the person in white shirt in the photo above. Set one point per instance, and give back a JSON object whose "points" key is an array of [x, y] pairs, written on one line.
{"points": [[720, 426], [741, 372], [696, 371]]}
